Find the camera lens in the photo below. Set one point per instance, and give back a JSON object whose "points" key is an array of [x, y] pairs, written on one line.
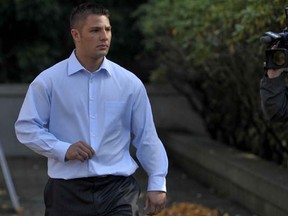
{"points": [[279, 58]]}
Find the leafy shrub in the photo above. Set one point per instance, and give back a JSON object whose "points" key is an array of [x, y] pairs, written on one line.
{"points": [[210, 52]]}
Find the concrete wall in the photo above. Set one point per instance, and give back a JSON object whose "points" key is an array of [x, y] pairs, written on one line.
{"points": [[168, 108], [11, 98], [259, 185], [172, 112]]}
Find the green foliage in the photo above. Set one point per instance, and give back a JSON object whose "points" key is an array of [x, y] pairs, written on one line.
{"points": [[210, 51], [35, 34]]}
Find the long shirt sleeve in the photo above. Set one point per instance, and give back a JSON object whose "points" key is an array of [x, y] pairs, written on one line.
{"points": [[32, 124], [274, 98], [150, 150]]}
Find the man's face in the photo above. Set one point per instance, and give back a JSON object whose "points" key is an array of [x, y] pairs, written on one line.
{"points": [[94, 37]]}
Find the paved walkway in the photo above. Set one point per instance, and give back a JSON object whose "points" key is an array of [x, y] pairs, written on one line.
{"points": [[29, 176]]}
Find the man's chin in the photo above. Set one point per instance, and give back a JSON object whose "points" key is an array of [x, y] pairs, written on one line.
{"points": [[102, 53]]}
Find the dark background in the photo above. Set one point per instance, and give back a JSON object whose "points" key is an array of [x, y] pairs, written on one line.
{"points": [[35, 35], [208, 50]]}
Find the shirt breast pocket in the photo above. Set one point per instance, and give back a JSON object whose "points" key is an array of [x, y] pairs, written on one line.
{"points": [[115, 115]]}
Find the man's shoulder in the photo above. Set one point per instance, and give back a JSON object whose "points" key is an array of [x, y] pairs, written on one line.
{"points": [[58, 67], [122, 72], [51, 74], [55, 70]]}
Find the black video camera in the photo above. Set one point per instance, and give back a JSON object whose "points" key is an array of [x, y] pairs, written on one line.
{"points": [[277, 54]]}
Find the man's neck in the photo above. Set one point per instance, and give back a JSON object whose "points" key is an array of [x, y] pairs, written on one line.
{"points": [[90, 64]]}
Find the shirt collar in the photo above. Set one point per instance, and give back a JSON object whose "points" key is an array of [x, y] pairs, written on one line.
{"points": [[75, 66]]}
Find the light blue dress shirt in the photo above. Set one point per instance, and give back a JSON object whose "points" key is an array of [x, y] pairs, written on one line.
{"points": [[66, 103]]}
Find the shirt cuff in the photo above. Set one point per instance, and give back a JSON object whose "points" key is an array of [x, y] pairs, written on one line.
{"points": [[60, 150], [156, 183]]}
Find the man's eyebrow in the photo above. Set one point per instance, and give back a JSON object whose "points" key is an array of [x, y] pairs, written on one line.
{"points": [[100, 27]]}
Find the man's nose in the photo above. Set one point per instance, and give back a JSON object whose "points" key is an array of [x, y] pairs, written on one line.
{"points": [[104, 35]]}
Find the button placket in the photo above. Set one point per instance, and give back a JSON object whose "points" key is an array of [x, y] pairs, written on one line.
{"points": [[92, 110]]}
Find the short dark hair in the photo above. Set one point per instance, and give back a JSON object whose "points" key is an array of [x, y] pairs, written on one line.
{"points": [[82, 11]]}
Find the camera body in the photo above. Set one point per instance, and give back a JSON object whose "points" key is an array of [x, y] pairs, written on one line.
{"points": [[276, 56]]}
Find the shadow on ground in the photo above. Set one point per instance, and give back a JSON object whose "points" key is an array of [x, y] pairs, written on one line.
{"points": [[29, 177]]}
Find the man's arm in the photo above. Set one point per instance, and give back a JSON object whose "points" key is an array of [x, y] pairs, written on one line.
{"points": [[31, 126], [150, 152], [273, 93]]}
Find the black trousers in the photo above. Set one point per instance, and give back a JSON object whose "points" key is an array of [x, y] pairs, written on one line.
{"points": [[93, 196]]}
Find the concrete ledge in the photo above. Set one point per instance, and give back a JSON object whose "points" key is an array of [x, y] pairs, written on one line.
{"points": [[259, 185], [172, 111], [13, 90], [11, 98]]}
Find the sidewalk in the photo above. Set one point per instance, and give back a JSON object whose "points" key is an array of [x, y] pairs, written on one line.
{"points": [[29, 176]]}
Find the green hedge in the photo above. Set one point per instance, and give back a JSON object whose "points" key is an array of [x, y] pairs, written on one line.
{"points": [[209, 50]]}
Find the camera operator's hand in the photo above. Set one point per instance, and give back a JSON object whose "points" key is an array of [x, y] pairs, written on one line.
{"points": [[273, 73]]}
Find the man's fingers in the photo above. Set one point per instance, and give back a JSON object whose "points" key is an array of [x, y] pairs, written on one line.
{"points": [[87, 151], [79, 151], [155, 202], [80, 157], [153, 209], [84, 154]]}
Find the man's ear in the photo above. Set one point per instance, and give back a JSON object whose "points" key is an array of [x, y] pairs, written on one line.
{"points": [[75, 34]]}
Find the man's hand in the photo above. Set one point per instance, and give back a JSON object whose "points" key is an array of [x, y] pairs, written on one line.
{"points": [[155, 202], [79, 151]]}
